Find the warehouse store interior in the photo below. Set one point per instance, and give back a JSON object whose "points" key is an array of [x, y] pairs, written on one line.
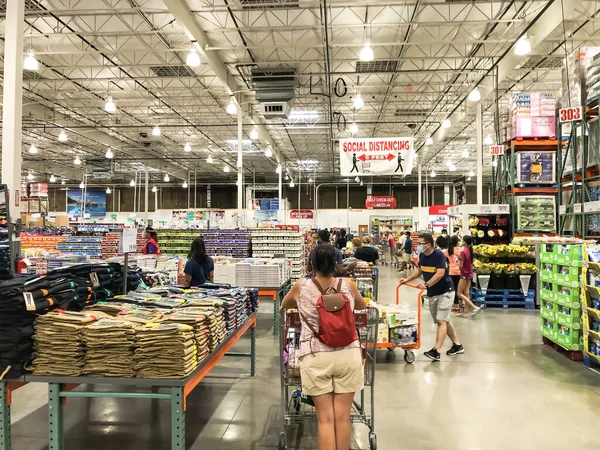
{"points": [[179, 179]]}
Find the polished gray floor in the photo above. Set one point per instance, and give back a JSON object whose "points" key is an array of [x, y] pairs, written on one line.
{"points": [[505, 392]]}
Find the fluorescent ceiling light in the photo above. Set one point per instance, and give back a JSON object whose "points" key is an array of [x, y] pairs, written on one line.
{"points": [[108, 191], [366, 54], [109, 154], [32, 149], [429, 141], [353, 128], [523, 46], [254, 134], [209, 159], [110, 106], [154, 189], [81, 185], [235, 141], [52, 179], [433, 174], [30, 176], [474, 95], [187, 148], [488, 140], [30, 63], [268, 152], [156, 131], [62, 136], [465, 153], [193, 58], [132, 183], [77, 161], [231, 107], [358, 102], [166, 178], [185, 185], [446, 123], [226, 168], [304, 115]]}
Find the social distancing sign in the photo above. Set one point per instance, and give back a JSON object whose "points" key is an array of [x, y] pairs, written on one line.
{"points": [[376, 156]]}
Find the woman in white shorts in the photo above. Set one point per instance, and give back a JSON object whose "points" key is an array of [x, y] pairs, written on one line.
{"points": [[331, 376]]}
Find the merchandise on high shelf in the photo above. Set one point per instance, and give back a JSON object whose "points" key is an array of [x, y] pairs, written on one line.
{"points": [[227, 242], [176, 242], [590, 297], [536, 213], [560, 295], [5, 238], [281, 243]]}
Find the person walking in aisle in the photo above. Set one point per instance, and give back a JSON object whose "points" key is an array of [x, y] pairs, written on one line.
{"points": [[433, 266], [452, 253], [331, 376], [364, 252], [151, 246], [341, 269], [200, 267], [392, 244], [465, 262], [341, 242]]}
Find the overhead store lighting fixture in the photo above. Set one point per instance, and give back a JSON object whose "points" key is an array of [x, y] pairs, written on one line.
{"points": [[30, 63], [494, 163], [474, 95], [254, 134], [193, 58], [433, 174], [358, 102], [52, 179], [428, 141], [361, 182], [226, 168], [278, 170], [452, 168], [166, 178], [108, 190], [63, 182], [366, 54], [110, 106], [32, 149], [185, 185], [62, 136], [231, 108], [465, 153], [446, 123], [268, 152], [357, 179], [310, 180], [209, 159], [353, 128], [292, 184], [82, 185], [448, 163], [109, 154], [154, 189], [77, 161], [471, 173], [30, 176], [488, 140], [187, 148], [132, 183], [523, 46], [469, 178], [156, 131]]}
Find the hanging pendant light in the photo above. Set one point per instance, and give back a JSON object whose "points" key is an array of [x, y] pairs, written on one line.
{"points": [[465, 153], [209, 159], [366, 54], [109, 154], [156, 131], [132, 183], [523, 46], [446, 123], [110, 106], [30, 176], [77, 161], [358, 102], [62, 136], [226, 169], [187, 148], [353, 128], [428, 141], [231, 107], [254, 134], [154, 189], [292, 184], [32, 149], [433, 174], [81, 185], [52, 179], [474, 95], [108, 190], [30, 63], [193, 58], [278, 169], [471, 173], [166, 178], [185, 185], [357, 179], [268, 152], [488, 140]]}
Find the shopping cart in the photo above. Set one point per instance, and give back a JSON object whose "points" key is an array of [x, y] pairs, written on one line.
{"points": [[384, 251], [403, 332], [367, 282], [298, 407]]}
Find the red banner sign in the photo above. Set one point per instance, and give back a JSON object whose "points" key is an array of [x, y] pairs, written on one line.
{"points": [[287, 227], [301, 214], [439, 210], [381, 202]]}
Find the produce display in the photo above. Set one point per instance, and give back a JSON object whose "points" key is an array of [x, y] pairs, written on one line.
{"points": [[482, 268], [503, 250], [536, 213], [489, 228]]}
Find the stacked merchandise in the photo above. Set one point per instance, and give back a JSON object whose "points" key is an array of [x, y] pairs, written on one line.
{"points": [[5, 246], [262, 272], [591, 305], [109, 345], [531, 114], [59, 348], [275, 242], [176, 242], [560, 294], [165, 350], [490, 228], [232, 243], [110, 244], [34, 245], [198, 322], [225, 269], [536, 213], [82, 246], [37, 190], [592, 74], [215, 322]]}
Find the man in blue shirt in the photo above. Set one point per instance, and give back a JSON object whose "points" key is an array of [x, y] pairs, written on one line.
{"points": [[341, 269], [433, 267]]}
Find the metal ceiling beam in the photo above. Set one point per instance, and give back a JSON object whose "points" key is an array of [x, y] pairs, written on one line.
{"points": [[186, 19]]}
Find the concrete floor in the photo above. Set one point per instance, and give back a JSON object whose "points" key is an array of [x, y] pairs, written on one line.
{"points": [[507, 391]]}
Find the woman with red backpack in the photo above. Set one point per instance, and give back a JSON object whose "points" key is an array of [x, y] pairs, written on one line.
{"points": [[330, 356]]}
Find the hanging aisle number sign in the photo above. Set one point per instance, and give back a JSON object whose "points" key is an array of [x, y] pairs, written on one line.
{"points": [[496, 150], [574, 114]]}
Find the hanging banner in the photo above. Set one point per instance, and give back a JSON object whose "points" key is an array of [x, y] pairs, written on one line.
{"points": [[380, 202], [460, 187], [301, 214], [376, 156]]}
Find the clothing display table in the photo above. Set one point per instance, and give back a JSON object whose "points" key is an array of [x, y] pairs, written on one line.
{"points": [[277, 294]]}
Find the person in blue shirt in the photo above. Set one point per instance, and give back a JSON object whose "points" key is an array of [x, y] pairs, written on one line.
{"points": [[433, 267], [200, 267]]}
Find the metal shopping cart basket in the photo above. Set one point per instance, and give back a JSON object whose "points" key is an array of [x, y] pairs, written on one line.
{"points": [[403, 323], [367, 282], [296, 407]]}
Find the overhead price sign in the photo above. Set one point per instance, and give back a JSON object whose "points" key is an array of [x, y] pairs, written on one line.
{"points": [[496, 150], [376, 156], [574, 114]]}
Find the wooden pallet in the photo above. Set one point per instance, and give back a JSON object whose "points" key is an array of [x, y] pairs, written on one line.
{"points": [[573, 355]]}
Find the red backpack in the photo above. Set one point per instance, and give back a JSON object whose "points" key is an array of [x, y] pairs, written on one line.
{"points": [[336, 318]]}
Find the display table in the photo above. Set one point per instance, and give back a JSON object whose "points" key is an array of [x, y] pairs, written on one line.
{"points": [[60, 387], [277, 294]]}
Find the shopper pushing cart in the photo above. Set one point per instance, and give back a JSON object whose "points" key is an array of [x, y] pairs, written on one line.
{"points": [[322, 345]]}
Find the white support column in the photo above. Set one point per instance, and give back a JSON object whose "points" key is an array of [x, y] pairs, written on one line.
{"points": [[240, 165], [12, 103], [279, 194], [420, 189], [479, 153], [146, 194]]}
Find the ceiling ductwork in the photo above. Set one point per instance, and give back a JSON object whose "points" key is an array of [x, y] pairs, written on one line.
{"points": [[275, 90]]}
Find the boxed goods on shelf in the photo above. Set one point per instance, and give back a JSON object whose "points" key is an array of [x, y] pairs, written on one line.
{"points": [[226, 242], [276, 242]]}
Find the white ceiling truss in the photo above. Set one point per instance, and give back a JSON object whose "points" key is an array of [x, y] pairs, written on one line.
{"points": [[429, 54]]}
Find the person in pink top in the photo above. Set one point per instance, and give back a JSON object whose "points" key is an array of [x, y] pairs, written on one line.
{"points": [[392, 243], [465, 262], [452, 253]]}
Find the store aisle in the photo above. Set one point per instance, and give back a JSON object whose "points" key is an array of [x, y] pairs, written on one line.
{"points": [[506, 392]]}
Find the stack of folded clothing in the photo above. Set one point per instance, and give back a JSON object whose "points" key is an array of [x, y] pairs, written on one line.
{"points": [[109, 348], [214, 322], [165, 350], [58, 348], [252, 299], [198, 322]]}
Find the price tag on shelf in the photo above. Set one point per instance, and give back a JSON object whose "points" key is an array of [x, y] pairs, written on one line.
{"points": [[94, 279], [496, 150], [577, 207], [29, 303], [574, 114]]}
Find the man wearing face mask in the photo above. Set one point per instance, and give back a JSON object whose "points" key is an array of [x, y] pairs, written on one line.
{"points": [[443, 241], [433, 266]]}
